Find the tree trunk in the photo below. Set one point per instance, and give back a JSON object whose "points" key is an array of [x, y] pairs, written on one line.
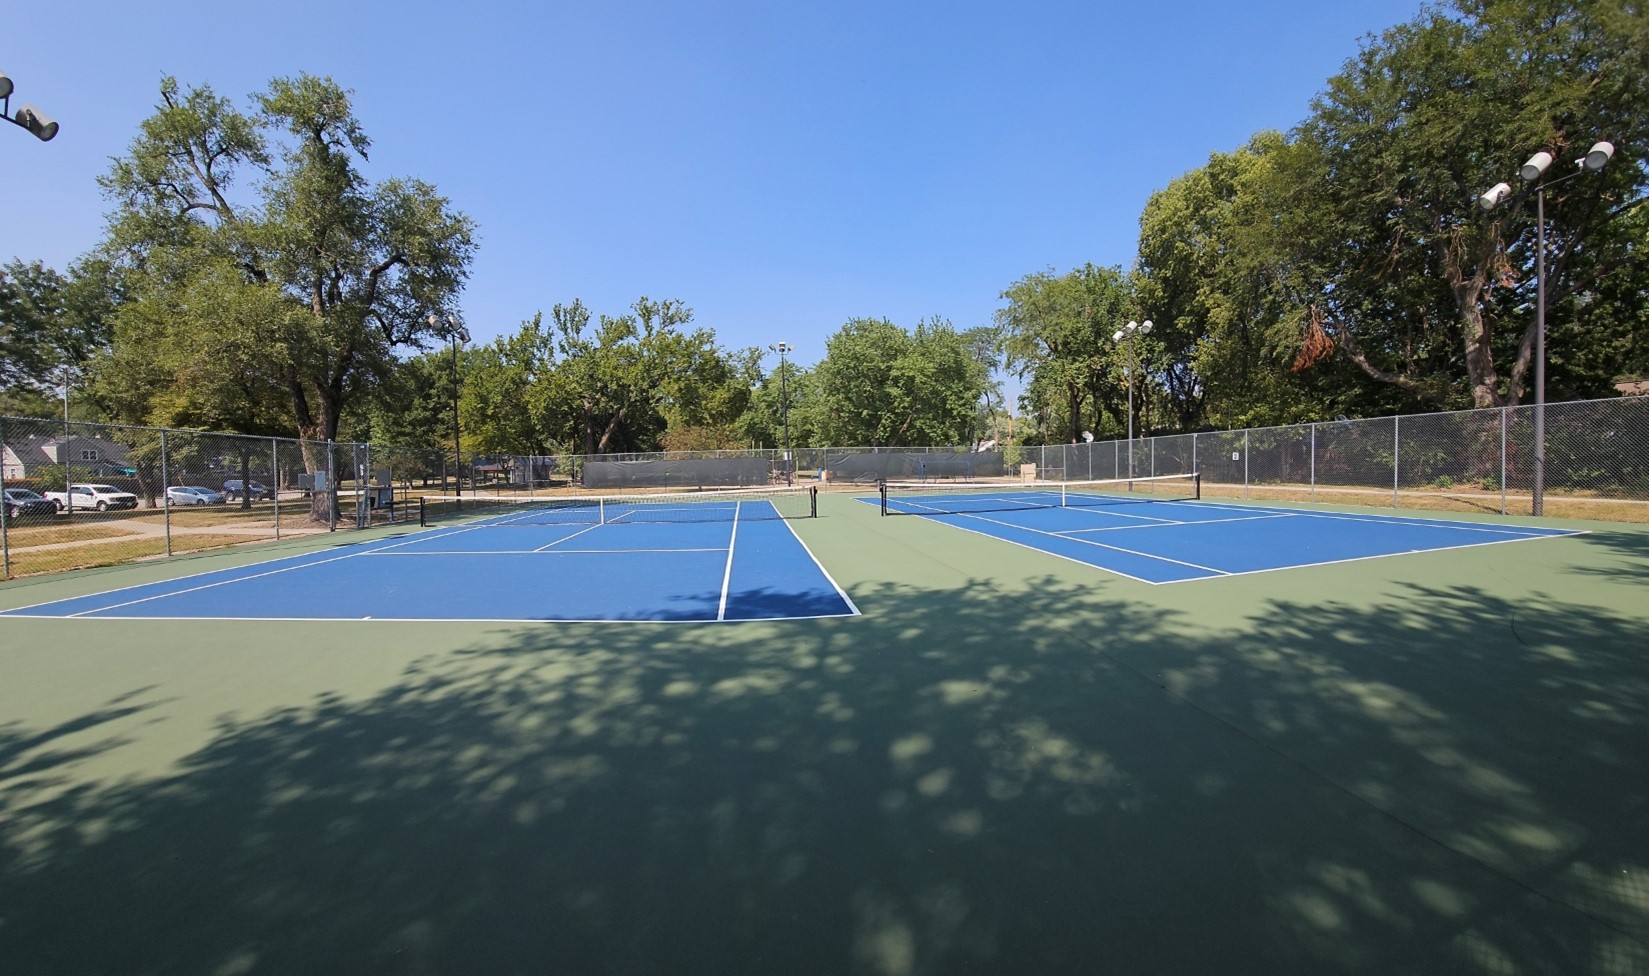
{"points": [[1480, 371]]}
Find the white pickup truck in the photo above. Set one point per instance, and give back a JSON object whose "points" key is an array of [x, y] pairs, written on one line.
{"points": [[99, 497]]}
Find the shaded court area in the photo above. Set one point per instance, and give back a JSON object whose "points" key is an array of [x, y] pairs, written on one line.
{"points": [[1007, 764]]}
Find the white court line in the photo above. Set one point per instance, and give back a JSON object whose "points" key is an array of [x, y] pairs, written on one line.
{"points": [[242, 579], [1100, 545], [1132, 528], [824, 572], [458, 620], [1385, 555], [1026, 506], [565, 538], [727, 574], [422, 535], [1056, 555], [1522, 532], [535, 552]]}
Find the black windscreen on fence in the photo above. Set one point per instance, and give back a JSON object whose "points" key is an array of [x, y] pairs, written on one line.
{"points": [[717, 472], [907, 466]]}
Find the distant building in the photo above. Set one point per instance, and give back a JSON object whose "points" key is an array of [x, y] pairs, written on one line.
{"points": [[88, 457]]}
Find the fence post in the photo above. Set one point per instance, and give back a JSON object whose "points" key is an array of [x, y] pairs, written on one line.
{"points": [[1312, 494], [1503, 412], [1194, 467], [1245, 464], [363, 487], [1396, 445], [331, 488], [275, 476], [5, 543], [165, 479], [65, 455]]}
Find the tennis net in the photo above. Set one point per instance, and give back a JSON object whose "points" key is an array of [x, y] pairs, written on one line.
{"points": [[800, 501], [928, 498]]}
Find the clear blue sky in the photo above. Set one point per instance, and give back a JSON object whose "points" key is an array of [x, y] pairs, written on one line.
{"points": [[779, 166]]}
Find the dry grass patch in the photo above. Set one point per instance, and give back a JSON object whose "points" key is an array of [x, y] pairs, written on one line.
{"points": [[30, 562], [41, 535]]}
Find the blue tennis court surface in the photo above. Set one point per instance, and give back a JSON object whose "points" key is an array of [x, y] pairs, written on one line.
{"points": [[745, 565], [1178, 541]]}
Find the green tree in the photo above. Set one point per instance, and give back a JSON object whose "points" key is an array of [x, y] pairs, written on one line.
{"points": [[1416, 286], [51, 326], [881, 386], [1215, 275], [1055, 331], [356, 265], [618, 385], [497, 392], [771, 401]]}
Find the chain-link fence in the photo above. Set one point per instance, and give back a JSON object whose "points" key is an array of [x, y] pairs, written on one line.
{"points": [[81, 494]]}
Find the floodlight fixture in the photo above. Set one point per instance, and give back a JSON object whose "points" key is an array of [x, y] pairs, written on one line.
{"points": [[1599, 156], [43, 126], [35, 122], [452, 328], [1535, 167], [1533, 172], [1128, 332], [782, 348]]}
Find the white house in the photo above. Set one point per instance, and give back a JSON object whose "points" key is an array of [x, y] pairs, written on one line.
{"points": [[23, 457]]}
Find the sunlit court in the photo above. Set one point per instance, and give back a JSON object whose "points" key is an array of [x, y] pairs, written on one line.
{"points": [[824, 489], [708, 556], [975, 729]]}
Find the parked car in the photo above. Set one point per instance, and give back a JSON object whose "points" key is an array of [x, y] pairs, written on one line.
{"points": [[101, 497], [258, 492], [193, 495], [22, 503]]}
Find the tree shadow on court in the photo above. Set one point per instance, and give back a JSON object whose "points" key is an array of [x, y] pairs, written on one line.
{"points": [[1628, 556], [1048, 779]]}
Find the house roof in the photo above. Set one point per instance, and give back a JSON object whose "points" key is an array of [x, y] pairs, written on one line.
{"points": [[35, 451]]}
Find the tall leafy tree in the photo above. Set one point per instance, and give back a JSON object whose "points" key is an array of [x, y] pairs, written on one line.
{"points": [[1215, 273], [1056, 332], [498, 380], [52, 324], [879, 385], [354, 265], [617, 384], [1417, 287]]}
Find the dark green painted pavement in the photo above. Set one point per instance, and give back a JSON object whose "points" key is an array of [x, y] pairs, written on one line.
{"points": [[1009, 764]]}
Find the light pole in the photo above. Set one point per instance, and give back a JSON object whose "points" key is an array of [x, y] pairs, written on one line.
{"points": [[784, 407], [1595, 159], [29, 118], [454, 330], [1126, 336]]}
